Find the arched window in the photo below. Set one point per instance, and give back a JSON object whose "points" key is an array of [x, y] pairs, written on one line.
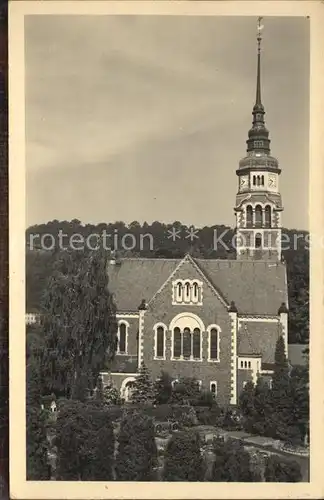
{"points": [[249, 364], [242, 364], [258, 216], [213, 344], [195, 293], [122, 338], [258, 180], [159, 342], [249, 216], [254, 180], [213, 388], [196, 351], [177, 342], [187, 291], [179, 292], [262, 180], [186, 343], [267, 216], [245, 364], [258, 240]]}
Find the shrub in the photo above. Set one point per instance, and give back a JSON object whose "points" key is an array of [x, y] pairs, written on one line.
{"points": [[85, 442], [137, 452], [209, 416], [281, 470], [37, 446], [186, 391], [232, 462], [183, 459], [163, 389]]}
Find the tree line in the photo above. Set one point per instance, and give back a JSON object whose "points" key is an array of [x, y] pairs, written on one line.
{"points": [[39, 265]]}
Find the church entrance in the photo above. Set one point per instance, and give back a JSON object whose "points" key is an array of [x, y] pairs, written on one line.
{"points": [[127, 388]]}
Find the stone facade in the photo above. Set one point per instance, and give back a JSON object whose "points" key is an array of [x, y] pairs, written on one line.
{"points": [[241, 336]]}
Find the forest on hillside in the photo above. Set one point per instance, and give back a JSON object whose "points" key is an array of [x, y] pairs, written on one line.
{"points": [[161, 240]]}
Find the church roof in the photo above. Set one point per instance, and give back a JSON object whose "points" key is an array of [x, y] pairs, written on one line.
{"points": [[245, 343], [257, 337], [256, 287]]}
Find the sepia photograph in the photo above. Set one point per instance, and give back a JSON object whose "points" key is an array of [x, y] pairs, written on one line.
{"points": [[166, 248]]}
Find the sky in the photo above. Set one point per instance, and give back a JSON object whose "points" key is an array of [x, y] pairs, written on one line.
{"points": [[145, 117]]}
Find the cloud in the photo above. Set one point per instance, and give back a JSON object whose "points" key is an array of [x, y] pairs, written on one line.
{"points": [[117, 97]]}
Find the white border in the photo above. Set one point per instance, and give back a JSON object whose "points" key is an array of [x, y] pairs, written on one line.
{"points": [[19, 487]]}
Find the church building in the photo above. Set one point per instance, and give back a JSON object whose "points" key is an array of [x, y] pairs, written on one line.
{"points": [[215, 320]]}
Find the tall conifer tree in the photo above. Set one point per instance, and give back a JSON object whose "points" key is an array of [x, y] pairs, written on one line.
{"points": [[143, 391], [79, 323]]}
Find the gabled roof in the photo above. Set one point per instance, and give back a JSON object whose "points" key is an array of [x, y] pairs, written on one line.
{"points": [[132, 280], [257, 337], [246, 344], [192, 262], [256, 287]]}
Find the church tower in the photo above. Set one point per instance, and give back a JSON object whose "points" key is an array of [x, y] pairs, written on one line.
{"points": [[258, 200]]}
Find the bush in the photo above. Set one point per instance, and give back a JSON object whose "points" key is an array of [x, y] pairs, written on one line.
{"points": [[163, 413], [163, 388], [206, 399], [183, 459], [232, 462], [37, 445], [160, 412], [209, 416], [85, 442], [186, 391], [137, 452], [281, 470]]}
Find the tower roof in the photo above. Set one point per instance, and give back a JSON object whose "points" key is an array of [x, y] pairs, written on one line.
{"points": [[258, 143]]}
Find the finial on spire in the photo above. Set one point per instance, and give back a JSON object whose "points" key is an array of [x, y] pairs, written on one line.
{"points": [[259, 37]]}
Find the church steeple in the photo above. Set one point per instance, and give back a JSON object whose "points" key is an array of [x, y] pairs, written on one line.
{"points": [[258, 201], [258, 103], [258, 140]]}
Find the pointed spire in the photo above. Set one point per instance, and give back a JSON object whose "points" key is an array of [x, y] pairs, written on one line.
{"points": [[258, 88], [258, 140]]}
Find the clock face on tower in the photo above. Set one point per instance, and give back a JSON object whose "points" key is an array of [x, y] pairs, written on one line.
{"points": [[272, 181], [243, 182]]}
